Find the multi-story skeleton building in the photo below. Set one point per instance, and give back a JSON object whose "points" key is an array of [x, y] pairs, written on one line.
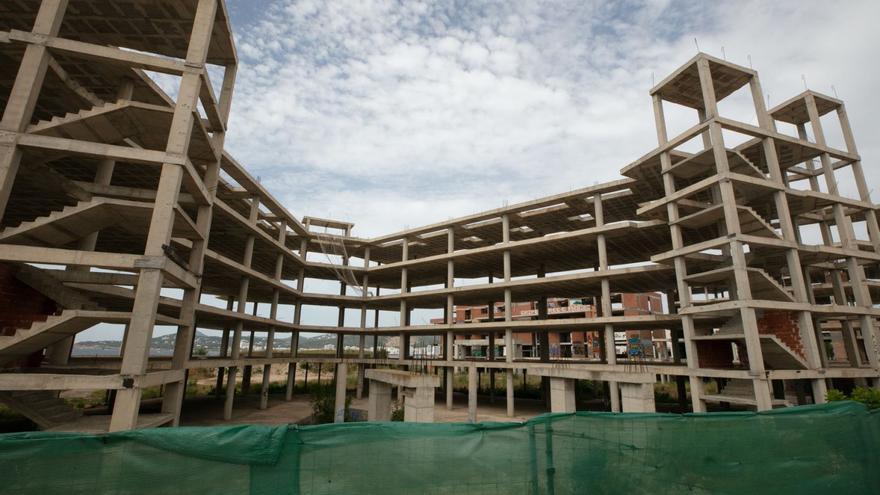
{"points": [[633, 343], [119, 205]]}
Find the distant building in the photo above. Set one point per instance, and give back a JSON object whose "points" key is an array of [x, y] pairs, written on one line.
{"points": [[652, 344]]}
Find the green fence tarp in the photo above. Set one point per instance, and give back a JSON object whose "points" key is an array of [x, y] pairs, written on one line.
{"points": [[811, 449]]}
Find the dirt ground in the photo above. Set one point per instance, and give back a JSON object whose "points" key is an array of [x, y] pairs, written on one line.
{"points": [[208, 411]]}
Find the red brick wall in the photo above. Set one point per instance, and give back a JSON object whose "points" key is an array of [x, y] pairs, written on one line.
{"points": [[641, 304], [20, 305], [782, 324]]}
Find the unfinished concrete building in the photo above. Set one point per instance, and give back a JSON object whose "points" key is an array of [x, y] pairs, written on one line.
{"points": [[119, 205]]}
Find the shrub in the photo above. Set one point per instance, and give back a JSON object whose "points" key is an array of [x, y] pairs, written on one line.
{"points": [[834, 395], [665, 392], [397, 412], [867, 396], [323, 399]]}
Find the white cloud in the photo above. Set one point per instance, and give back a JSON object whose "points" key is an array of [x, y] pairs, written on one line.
{"points": [[390, 114]]}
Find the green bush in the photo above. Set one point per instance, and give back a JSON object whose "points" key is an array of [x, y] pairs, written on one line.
{"points": [[323, 399], [665, 392], [867, 396], [397, 412], [834, 395]]}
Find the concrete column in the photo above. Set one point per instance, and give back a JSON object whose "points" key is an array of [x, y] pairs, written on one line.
{"points": [[614, 395], [419, 405], [562, 395], [224, 349], [25, 92], [509, 344], [605, 302], [404, 288], [472, 394], [450, 380], [801, 287], [264, 386], [359, 393], [150, 280], [341, 378], [362, 339], [637, 397], [230, 393], [379, 401], [675, 231], [291, 381], [219, 385], [510, 402]]}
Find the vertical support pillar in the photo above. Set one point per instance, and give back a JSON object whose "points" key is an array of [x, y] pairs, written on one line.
{"points": [[741, 282], [450, 304], [684, 292], [150, 280], [404, 311], [291, 381], [273, 315], [25, 90], [472, 393], [300, 283], [450, 383], [509, 344], [800, 286], [379, 401], [362, 339], [241, 308], [341, 379], [608, 332], [562, 397]]}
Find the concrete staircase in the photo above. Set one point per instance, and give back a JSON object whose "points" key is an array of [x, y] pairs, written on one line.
{"points": [[60, 120], [779, 356], [763, 285], [751, 222], [74, 222], [740, 392], [124, 121], [43, 407], [56, 327]]}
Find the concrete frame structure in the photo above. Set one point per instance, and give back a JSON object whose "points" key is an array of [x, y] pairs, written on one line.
{"points": [[127, 193]]}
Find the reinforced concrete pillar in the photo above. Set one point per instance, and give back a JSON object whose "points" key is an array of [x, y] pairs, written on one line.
{"points": [[359, 393], [230, 393], [291, 381], [379, 401], [562, 395], [637, 397], [264, 389], [509, 382], [450, 379], [419, 405], [472, 394], [219, 386], [341, 378], [614, 393]]}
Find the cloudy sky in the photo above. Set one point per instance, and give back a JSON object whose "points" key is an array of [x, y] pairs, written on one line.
{"points": [[395, 114]]}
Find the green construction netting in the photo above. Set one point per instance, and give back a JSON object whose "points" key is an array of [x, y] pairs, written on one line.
{"points": [[810, 449]]}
